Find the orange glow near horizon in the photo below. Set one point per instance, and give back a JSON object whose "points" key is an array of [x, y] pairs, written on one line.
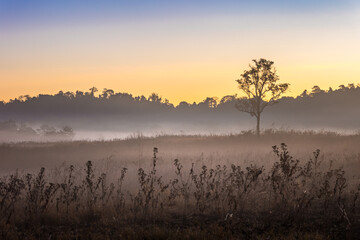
{"points": [[181, 60], [197, 83]]}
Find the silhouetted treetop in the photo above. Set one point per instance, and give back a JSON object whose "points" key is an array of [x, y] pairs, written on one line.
{"points": [[260, 84]]}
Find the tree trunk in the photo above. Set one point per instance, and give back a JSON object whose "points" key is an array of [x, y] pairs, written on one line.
{"points": [[258, 125]]}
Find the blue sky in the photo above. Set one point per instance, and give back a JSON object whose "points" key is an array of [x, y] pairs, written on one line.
{"points": [[17, 13]]}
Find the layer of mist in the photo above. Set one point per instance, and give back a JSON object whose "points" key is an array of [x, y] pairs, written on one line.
{"points": [[119, 115]]}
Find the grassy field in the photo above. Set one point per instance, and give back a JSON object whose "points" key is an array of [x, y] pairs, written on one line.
{"points": [[281, 185]]}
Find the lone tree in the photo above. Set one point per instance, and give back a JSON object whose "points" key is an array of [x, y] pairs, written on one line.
{"points": [[259, 83]]}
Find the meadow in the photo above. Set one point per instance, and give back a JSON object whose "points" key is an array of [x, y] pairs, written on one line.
{"points": [[280, 185]]}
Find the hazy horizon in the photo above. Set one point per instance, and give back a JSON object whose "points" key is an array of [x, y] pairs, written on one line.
{"points": [[108, 115]]}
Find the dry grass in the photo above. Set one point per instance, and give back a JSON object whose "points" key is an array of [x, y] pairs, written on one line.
{"points": [[192, 187]]}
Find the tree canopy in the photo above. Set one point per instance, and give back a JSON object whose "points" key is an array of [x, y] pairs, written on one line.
{"points": [[261, 87]]}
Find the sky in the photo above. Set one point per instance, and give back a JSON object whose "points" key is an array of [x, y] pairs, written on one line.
{"points": [[182, 50]]}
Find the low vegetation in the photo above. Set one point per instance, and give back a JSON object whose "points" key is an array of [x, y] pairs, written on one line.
{"points": [[290, 200]]}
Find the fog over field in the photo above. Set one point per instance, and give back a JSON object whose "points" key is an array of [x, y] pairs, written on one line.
{"points": [[113, 162], [178, 180], [136, 151], [111, 115]]}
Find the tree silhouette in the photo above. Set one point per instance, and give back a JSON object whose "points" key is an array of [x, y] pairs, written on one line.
{"points": [[227, 98], [259, 83], [155, 98], [93, 90], [304, 93], [351, 86], [342, 87], [211, 102], [121, 111], [107, 93], [316, 90]]}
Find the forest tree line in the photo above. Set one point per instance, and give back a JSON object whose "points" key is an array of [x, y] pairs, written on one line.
{"points": [[120, 100], [338, 108]]}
